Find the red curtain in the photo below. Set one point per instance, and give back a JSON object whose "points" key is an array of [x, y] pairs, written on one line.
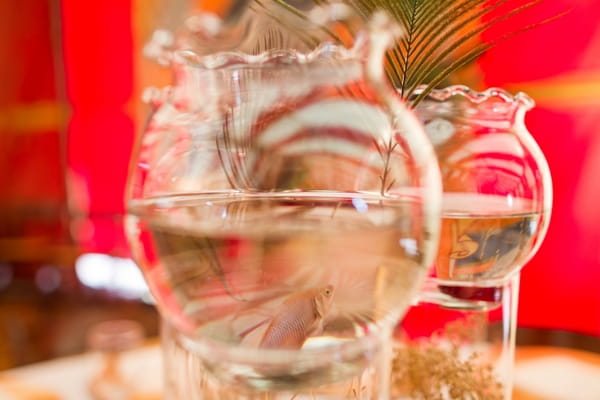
{"points": [[98, 56], [32, 190], [557, 64]]}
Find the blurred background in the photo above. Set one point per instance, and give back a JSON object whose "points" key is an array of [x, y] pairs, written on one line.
{"points": [[71, 75]]}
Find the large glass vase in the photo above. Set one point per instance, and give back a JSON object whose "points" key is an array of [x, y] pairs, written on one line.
{"points": [[284, 209]]}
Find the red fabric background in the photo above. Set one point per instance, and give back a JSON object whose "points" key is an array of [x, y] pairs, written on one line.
{"points": [[558, 64]]}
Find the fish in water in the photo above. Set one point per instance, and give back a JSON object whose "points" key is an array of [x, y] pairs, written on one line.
{"points": [[301, 316]]}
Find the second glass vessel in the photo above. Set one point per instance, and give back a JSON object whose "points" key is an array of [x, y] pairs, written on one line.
{"points": [[458, 341]]}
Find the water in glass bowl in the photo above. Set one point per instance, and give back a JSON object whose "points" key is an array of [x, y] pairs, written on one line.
{"points": [[484, 240], [260, 284]]}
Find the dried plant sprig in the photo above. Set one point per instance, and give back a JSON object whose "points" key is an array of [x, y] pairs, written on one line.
{"points": [[425, 371], [227, 152], [386, 154], [435, 368]]}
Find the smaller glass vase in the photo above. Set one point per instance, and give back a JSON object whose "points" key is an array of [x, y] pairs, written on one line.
{"points": [[497, 189], [458, 340]]}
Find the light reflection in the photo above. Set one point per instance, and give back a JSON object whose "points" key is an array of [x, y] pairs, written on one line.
{"points": [[118, 275], [48, 279], [360, 205], [410, 246]]}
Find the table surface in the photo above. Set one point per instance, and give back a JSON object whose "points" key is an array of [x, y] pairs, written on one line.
{"points": [[541, 373]]}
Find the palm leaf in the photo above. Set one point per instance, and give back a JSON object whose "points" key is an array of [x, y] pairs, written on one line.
{"points": [[470, 57], [440, 36]]}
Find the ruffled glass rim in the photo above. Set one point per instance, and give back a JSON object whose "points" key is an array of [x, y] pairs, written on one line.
{"points": [[521, 99], [280, 57]]}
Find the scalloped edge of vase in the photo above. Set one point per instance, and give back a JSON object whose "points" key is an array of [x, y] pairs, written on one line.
{"points": [[474, 96], [325, 51]]}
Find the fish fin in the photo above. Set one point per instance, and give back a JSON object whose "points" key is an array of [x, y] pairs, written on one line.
{"points": [[275, 338], [247, 331]]}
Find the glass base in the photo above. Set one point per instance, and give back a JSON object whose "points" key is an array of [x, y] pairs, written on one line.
{"points": [[457, 342], [188, 376]]}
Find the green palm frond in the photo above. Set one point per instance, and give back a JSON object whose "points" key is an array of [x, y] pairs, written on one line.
{"points": [[440, 36]]}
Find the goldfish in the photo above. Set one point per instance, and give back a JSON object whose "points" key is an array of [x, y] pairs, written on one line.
{"points": [[301, 316]]}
